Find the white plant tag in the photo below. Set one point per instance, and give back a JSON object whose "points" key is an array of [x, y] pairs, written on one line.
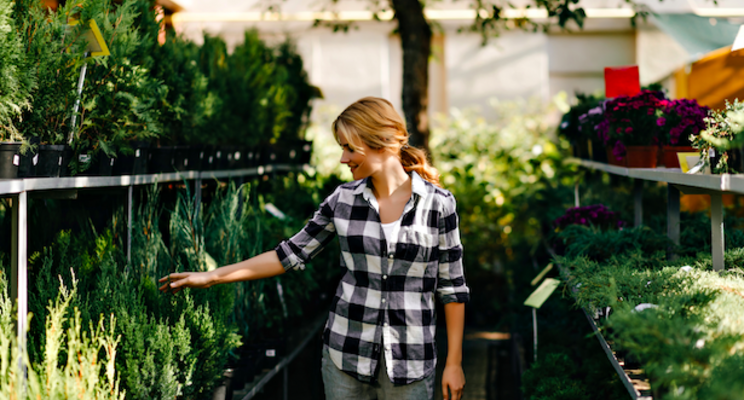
{"points": [[270, 353], [16, 160], [83, 158], [36, 159], [237, 155], [137, 153], [112, 161]]}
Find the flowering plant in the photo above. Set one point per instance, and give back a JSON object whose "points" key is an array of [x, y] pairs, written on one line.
{"points": [[723, 133], [632, 121], [574, 124], [682, 119], [593, 215]]}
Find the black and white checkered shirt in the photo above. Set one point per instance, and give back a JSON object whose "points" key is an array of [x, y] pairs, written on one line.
{"points": [[385, 299]]}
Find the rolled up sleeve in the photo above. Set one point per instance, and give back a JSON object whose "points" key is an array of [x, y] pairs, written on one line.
{"points": [[451, 286], [307, 243]]}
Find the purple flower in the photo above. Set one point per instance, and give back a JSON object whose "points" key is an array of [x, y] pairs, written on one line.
{"points": [[661, 121]]}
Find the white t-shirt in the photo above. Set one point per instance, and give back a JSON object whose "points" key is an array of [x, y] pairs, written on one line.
{"points": [[391, 234]]}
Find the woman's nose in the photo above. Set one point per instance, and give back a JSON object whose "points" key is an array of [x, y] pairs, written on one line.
{"points": [[344, 158]]}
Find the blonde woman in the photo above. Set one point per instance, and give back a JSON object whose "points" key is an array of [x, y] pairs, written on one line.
{"points": [[400, 242]]}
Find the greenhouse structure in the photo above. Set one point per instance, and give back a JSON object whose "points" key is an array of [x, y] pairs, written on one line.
{"points": [[476, 200]]}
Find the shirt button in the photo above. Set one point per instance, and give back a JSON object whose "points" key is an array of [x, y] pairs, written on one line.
{"points": [[386, 324], [383, 300], [391, 256], [384, 277]]}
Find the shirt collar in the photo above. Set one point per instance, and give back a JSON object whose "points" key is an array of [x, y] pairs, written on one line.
{"points": [[418, 187]]}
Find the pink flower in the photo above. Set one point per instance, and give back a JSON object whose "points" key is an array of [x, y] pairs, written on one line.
{"points": [[661, 121], [628, 130]]}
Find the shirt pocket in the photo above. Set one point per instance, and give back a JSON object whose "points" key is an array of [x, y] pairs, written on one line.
{"points": [[415, 261]]}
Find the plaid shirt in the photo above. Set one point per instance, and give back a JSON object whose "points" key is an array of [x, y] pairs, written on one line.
{"points": [[385, 299]]}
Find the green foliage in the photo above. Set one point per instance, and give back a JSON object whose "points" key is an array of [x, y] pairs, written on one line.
{"points": [[551, 378], [120, 96], [76, 363], [263, 94], [16, 82], [53, 57], [723, 133]]}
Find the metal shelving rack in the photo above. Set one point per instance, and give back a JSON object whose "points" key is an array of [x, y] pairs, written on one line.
{"points": [[678, 182], [18, 190]]}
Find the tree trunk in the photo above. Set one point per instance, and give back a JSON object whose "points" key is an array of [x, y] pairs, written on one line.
{"points": [[415, 36]]}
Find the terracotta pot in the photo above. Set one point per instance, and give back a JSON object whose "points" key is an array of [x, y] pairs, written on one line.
{"points": [[669, 157], [641, 156], [612, 160]]}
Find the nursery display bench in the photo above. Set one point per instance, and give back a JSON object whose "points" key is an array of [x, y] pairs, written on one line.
{"points": [[66, 187], [678, 182]]}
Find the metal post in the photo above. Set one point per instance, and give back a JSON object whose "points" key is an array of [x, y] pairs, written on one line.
{"points": [[673, 216], [81, 81], [19, 270], [534, 332], [638, 201], [716, 228], [130, 213], [286, 381], [197, 195], [577, 203]]}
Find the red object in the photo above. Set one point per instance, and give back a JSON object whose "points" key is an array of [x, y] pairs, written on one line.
{"points": [[622, 81], [641, 156]]}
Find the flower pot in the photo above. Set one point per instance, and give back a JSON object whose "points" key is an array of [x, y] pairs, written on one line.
{"points": [[269, 155], [597, 151], [580, 149], [220, 160], [133, 164], [252, 156], [612, 160], [669, 155], [51, 159], [98, 164], [197, 158], [10, 160], [642, 156], [161, 159]]}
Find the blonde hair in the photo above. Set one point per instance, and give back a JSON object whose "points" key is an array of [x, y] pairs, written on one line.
{"points": [[374, 122]]}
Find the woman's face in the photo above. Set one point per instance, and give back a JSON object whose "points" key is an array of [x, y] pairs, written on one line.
{"points": [[361, 165]]}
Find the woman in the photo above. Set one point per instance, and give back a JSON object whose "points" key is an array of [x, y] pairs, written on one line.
{"points": [[400, 243]]}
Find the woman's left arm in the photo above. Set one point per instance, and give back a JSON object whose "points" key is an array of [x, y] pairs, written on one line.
{"points": [[453, 378]]}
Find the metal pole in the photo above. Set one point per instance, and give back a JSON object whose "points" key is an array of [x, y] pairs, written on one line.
{"points": [[534, 332], [81, 81], [716, 228], [638, 201], [197, 194], [673, 221], [286, 381], [577, 203], [130, 206], [19, 273]]}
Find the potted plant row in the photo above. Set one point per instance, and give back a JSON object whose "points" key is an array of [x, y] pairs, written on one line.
{"points": [[150, 106], [641, 131]]}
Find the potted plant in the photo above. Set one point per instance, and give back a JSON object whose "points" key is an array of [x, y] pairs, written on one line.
{"points": [[630, 132], [681, 120], [721, 141], [577, 125], [54, 55], [120, 100], [15, 87]]}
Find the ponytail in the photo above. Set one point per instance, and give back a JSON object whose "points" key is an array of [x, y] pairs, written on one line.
{"points": [[414, 159]]}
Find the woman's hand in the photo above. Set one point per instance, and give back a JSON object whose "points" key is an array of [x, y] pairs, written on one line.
{"points": [[176, 281], [453, 380]]}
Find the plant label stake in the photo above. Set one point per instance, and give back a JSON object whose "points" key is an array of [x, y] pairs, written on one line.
{"points": [[536, 300], [96, 47]]}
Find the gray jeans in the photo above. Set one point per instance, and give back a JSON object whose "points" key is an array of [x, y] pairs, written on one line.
{"points": [[342, 386]]}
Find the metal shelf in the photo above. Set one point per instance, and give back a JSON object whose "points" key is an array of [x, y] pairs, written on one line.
{"points": [[19, 189], [713, 185], [15, 186]]}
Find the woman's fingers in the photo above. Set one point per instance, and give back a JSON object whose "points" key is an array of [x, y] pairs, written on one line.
{"points": [[174, 281]]}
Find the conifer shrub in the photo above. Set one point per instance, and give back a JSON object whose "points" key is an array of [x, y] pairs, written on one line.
{"points": [[16, 82]]}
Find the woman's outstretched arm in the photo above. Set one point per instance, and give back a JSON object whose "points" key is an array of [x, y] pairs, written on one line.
{"points": [[261, 266]]}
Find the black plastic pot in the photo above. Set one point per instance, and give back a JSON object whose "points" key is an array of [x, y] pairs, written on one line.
{"points": [[133, 164], [161, 159], [50, 160], [598, 151], [251, 157], [220, 160], [269, 155], [181, 158], [10, 160], [197, 158], [99, 164]]}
